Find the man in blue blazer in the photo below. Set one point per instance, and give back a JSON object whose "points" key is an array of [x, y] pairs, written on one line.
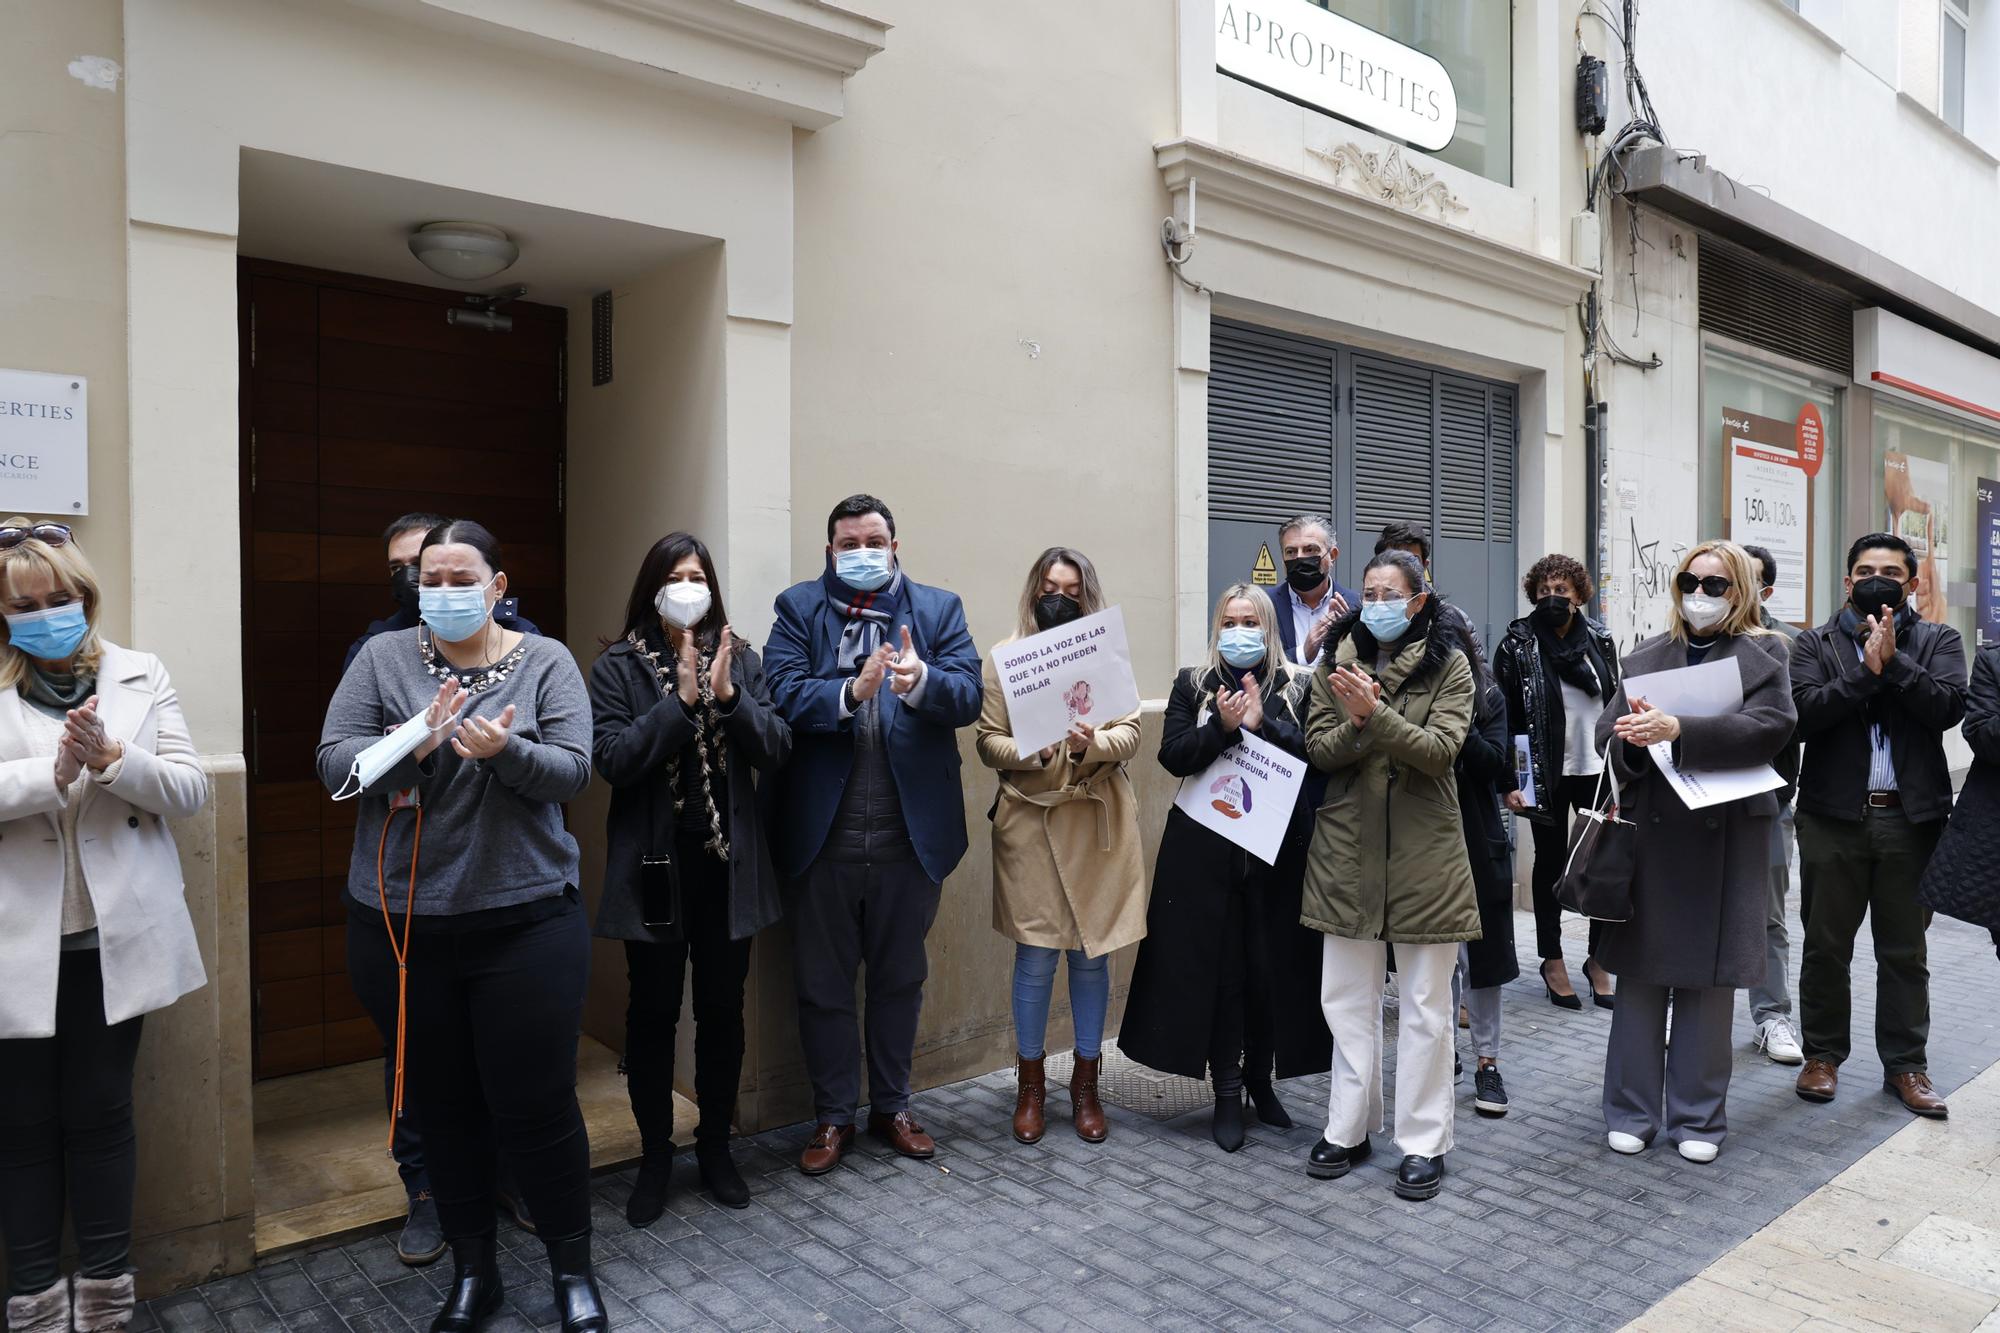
{"points": [[875, 673], [1309, 601]]}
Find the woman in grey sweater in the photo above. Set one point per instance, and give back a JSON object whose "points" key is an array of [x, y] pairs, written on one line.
{"points": [[463, 875]]}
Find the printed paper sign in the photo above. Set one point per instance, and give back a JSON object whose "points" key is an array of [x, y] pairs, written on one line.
{"points": [[1771, 465], [1079, 672], [1699, 789], [1711, 689], [1246, 795]]}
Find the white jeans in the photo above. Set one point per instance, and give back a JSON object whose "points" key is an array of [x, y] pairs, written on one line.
{"points": [[1350, 994]]}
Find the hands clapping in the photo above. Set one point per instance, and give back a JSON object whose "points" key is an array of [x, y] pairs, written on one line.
{"points": [[906, 669], [1359, 693], [1241, 708], [1646, 725]]}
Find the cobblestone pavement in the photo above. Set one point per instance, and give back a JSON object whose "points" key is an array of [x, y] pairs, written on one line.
{"points": [[1539, 1226]]}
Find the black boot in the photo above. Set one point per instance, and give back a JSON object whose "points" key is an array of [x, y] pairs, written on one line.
{"points": [[578, 1303], [649, 1192], [719, 1175], [1227, 1126], [1264, 1097], [475, 1286]]}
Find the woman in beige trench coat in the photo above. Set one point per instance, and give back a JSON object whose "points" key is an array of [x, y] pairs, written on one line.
{"points": [[1068, 876]]}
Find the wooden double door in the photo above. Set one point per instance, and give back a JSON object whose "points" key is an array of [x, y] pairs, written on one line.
{"points": [[361, 403]]}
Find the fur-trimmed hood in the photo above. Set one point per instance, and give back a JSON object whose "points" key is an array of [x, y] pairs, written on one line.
{"points": [[1441, 637]]}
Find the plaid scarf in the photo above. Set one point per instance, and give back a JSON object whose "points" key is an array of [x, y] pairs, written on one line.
{"points": [[866, 616]]}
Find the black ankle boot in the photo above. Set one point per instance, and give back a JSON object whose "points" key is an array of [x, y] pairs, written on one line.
{"points": [[649, 1192], [1270, 1110], [578, 1303], [1227, 1126], [719, 1175], [475, 1286]]}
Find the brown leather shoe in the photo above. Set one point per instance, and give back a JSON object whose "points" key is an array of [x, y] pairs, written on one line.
{"points": [[902, 1132], [1029, 1121], [824, 1150], [1818, 1081], [1085, 1111], [1915, 1092]]}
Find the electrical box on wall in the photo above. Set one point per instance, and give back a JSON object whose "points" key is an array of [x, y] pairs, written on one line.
{"points": [[1593, 96], [1586, 242]]}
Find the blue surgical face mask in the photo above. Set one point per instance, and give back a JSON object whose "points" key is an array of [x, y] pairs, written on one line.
{"points": [[1241, 645], [864, 569], [51, 634], [455, 614], [1387, 621]]}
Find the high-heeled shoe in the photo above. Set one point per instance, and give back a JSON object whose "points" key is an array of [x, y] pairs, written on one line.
{"points": [[1559, 1001], [1264, 1099], [1603, 999]]}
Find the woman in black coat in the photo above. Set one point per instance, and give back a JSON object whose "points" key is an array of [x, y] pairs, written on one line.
{"points": [[682, 721], [1961, 879], [1485, 771], [1222, 954]]}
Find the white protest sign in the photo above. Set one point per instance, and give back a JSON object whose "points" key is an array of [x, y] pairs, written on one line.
{"points": [[1079, 672], [1709, 689], [1701, 788], [1246, 795]]}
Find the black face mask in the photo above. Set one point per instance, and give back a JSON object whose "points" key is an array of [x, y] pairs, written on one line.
{"points": [[1875, 595], [1553, 612], [403, 585], [1053, 609], [1304, 573]]}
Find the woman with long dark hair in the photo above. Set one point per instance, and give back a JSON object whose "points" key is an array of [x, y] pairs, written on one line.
{"points": [[683, 721], [464, 877]]}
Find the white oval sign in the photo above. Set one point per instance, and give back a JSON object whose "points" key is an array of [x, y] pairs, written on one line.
{"points": [[1298, 50]]}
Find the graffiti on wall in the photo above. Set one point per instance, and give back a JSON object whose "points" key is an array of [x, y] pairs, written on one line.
{"points": [[1637, 599]]}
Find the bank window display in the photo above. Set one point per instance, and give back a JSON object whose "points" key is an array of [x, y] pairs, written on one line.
{"points": [[1940, 490], [1474, 41], [1770, 476]]}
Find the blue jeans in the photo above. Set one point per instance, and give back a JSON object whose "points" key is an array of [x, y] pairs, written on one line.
{"points": [[1035, 982]]}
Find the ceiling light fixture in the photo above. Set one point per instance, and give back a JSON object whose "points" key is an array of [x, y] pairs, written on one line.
{"points": [[463, 251]]}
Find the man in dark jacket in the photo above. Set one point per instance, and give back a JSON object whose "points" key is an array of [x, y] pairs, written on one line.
{"points": [[1876, 688], [1771, 1003], [405, 537], [875, 672], [1309, 600]]}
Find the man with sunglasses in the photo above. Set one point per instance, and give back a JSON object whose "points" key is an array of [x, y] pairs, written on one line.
{"points": [[1876, 687]]}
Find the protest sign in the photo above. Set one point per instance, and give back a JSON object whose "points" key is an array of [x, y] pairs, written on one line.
{"points": [[1079, 672], [1246, 795]]}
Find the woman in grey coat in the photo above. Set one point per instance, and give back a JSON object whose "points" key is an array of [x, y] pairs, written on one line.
{"points": [[682, 720], [1702, 882]]}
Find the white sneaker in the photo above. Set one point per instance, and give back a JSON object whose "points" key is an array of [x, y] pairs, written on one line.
{"points": [[1697, 1151], [1625, 1143], [1778, 1039]]}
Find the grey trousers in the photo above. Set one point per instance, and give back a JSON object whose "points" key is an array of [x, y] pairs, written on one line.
{"points": [[852, 916], [1773, 999], [1649, 1084], [1482, 1007]]}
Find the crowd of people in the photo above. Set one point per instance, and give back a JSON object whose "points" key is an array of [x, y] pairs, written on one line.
{"points": [[820, 781]]}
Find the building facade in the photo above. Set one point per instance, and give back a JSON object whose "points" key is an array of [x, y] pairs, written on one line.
{"points": [[1138, 279]]}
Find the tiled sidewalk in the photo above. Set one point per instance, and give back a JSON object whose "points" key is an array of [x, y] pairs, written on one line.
{"points": [[1539, 1226]]}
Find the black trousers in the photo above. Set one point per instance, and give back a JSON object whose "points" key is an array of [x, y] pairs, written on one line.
{"points": [[372, 973], [1551, 851], [653, 1011], [851, 915], [1242, 1035], [66, 1136], [494, 1018]]}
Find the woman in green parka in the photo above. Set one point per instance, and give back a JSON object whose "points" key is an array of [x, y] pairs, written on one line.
{"points": [[1392, 700]]}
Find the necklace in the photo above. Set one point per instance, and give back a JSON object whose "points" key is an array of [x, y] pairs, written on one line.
{"points": [[493, 673]]}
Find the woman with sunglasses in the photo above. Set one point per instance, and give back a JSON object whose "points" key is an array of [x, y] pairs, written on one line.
{"points": [[95, 758], [1701, 886], [683, 724], [464, 873]]}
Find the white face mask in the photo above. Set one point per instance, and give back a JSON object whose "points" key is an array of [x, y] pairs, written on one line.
{"points": [[683, 604], [1701, 611], [372, 764]]}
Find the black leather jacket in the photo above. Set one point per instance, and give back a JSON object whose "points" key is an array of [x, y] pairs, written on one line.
{"points": [[1534, 702]]}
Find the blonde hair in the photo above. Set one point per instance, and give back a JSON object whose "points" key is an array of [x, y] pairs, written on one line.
{"points": [[1090, 594], [67, 568], [1267, 618], [1746, 582]]}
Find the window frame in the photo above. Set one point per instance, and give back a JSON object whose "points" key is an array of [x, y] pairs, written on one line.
{"points": [[1958, 14]]}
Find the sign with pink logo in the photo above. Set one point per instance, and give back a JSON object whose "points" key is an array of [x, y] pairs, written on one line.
{"points": [[1246, 795], [1079, 672]]}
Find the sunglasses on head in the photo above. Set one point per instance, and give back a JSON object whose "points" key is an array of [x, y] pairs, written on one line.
{"points": [[49, 534], [1714, 585]]}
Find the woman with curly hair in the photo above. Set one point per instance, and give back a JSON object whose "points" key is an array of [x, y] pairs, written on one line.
{"points": [[1558, 669]]}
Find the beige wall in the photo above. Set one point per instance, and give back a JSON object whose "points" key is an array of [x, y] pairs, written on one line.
{"points": [[62, 246]]}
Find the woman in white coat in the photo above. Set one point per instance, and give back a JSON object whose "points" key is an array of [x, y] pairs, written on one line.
{"points": [[94, 930]]}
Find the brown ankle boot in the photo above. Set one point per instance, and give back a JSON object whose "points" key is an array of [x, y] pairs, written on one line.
{"points": [[1029, 1121], [1084, 1107]]}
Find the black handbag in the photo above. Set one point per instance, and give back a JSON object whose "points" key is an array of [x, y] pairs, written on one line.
{"points": [[1603, 856]]}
